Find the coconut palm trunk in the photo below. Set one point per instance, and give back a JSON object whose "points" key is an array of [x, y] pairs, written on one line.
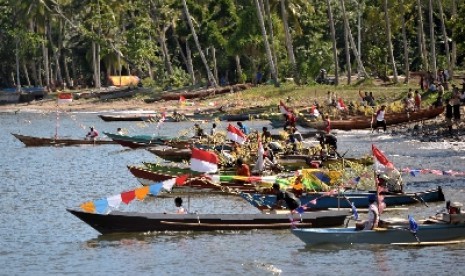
{"points": [[432, 40], [453, 58], [333, 40], [290, 48], [405, 44], [444, 35], [421, 38], [210, 76], [352, 42], [270, 26], [265, 41], [389, 41]]}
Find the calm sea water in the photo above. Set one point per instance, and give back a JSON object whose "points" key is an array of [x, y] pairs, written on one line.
{"points": [[38, 236]]}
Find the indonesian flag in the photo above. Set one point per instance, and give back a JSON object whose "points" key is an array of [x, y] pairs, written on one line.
{"points": [[236, 135], [204, 161], [381, 163], [64, 98], [284, 109]]}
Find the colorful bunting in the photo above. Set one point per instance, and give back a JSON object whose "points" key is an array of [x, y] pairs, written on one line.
{"points": [[101, 205], [114, 201], [89, 207], [141, 193], [416, 172], [128, 196], [155, 188]]}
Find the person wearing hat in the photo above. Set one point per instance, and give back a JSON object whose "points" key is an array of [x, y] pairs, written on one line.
{"points": [[292, 202], [92, 134], [380, 121], [373, 215]]}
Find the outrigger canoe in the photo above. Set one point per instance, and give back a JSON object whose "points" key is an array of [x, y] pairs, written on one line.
{"points": [[359, 198], [440, 229], [31, 141], [363, 122], [124, 222]]}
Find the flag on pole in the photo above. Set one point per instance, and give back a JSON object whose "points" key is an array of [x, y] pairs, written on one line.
{"points": [[413, 226], [204, 161], [284, 109], [236, 135], [381, 163], [64, 98]]}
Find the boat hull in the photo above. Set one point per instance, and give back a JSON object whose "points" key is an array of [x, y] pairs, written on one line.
{"points": [[31, 141], [122, 222], [398, 235], [366, 122], [360, 199]]}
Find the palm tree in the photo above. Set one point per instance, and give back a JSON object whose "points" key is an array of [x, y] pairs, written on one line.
{"points": [[421, 38], [265, 40], [405, 43], [432, 40], [352, 42], [290, 48], [389, 41], [454, 44], [444, 35], [333, 40], [210, 76]]}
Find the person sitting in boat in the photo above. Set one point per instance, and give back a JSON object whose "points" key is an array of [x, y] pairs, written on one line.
{"points": [[242, 169], [119, 131], [92, 134], [198, 131], [298, 187], [373, 215], [266, 136], [179, 208], [243, 128], [292, 202], [328, 143]]}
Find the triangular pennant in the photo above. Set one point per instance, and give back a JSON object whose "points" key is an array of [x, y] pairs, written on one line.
{"points": [[127, 197], [155, 188], [141, 193], [88, 207], [101, 205]]}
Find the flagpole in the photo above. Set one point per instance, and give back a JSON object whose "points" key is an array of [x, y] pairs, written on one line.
{"points": [[56, 124]]}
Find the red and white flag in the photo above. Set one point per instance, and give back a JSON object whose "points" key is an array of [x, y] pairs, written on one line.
{"points": [[381, 163], [284, 109], [204, 161], [341, 105], [64, 98], [236, 135]]}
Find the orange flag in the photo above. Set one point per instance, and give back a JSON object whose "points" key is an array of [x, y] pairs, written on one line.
{"points": [[88, 207]]}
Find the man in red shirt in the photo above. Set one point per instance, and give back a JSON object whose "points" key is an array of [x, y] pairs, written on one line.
{"points": [[242, 169]]}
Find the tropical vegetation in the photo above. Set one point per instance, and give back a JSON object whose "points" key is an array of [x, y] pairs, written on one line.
{"points": [[169, 43]]}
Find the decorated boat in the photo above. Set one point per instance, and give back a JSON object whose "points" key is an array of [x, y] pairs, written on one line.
{"points": [[137, 141], [32, 141], [443, 228], [171, 154], [124, 222], [325, 200], [363, 122]]}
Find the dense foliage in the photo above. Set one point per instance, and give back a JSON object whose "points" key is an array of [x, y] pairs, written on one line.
{"points": [[81, 42]]}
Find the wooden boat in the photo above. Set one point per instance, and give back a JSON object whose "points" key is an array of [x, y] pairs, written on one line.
{"points": [[171, 154], [360, 199], [430, 232], [105, 93], [9, 97], [127, 222], [137, 141], [128, 117], [304, 161], [363, 122], [31, 141]]}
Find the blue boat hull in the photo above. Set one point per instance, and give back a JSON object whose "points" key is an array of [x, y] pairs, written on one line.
{"points": [[360, 199]]}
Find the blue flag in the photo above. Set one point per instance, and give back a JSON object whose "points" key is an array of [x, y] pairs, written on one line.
{"points": [[354, 211], [414, 172], [413, 226], [322, 176], [300, 209], [101, 205]]}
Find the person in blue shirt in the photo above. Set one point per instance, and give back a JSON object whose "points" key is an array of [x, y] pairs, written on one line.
{"points": [[243, 128]]}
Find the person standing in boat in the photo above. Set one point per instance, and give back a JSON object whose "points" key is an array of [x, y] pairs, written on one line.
{"points": [[266, 136], [373, 215], [179, 208], [92, 134], [292, 202], [198, 131], [380, 121]]}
